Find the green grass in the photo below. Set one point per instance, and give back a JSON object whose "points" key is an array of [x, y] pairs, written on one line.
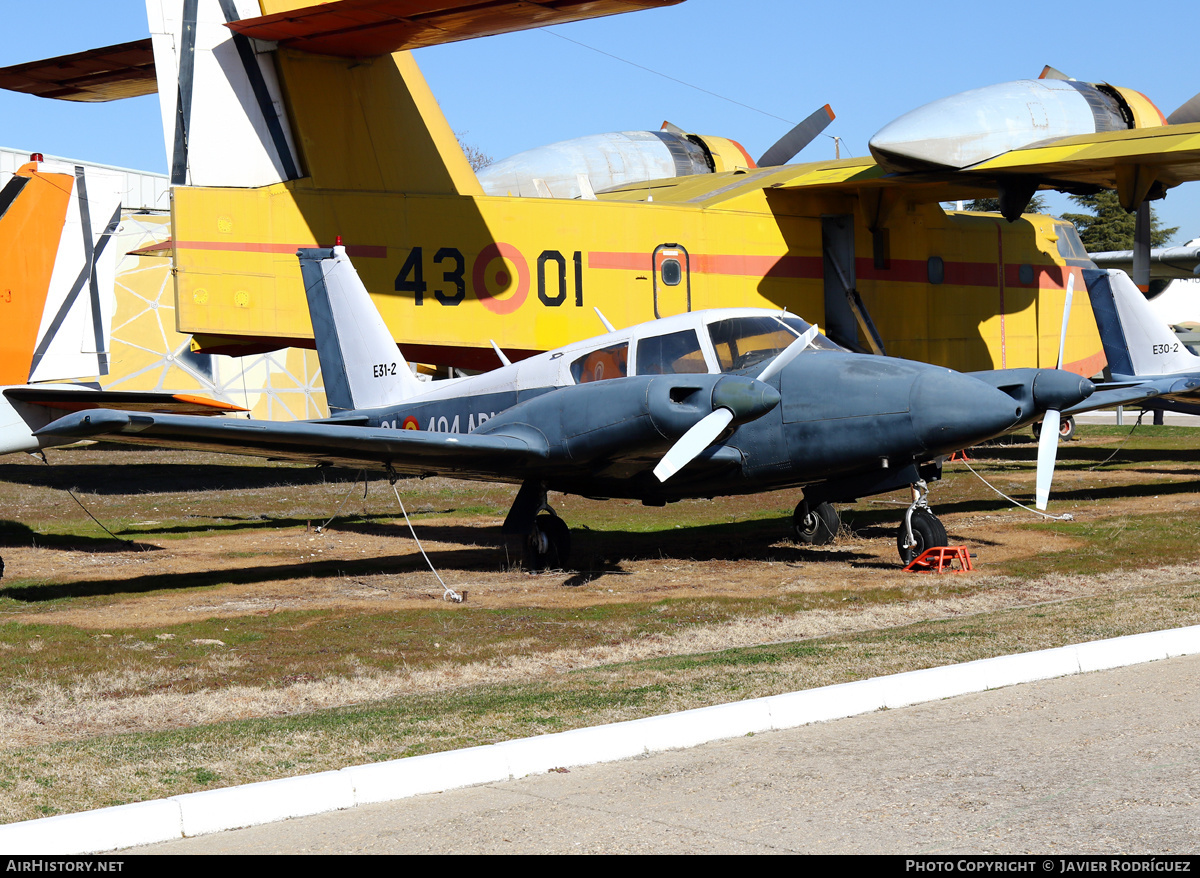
{"points": [[278, 651]]}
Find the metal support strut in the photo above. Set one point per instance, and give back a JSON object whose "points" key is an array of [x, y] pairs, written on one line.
{"points": [[920, 501]]}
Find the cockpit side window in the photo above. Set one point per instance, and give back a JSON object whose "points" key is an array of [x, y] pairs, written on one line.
{"points": [[674, 353], [609, 362]]}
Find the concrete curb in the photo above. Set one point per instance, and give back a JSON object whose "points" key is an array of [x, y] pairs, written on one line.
{"points": [[218, 810]]}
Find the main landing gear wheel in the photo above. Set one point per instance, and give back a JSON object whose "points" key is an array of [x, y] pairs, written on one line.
{"points": [[1066, 429], [926, 530], [816, 526], [548, 544]]}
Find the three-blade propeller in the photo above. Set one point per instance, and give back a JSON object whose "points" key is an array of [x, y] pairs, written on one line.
{"points": [[705, 431], [1048, 441]]}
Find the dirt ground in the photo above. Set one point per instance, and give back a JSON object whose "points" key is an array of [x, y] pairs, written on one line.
{"points": [[376, 569], [724, 547]]}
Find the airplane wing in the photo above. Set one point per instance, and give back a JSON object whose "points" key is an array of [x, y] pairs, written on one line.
{"points": [[74, 399], [345, 28], [492, 457], [1166, 263], [1169, 155], [364, 28]]}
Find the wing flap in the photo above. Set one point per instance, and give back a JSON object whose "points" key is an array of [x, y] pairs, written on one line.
{"points": [[1173, 151], [365, 28], [492, 457]]}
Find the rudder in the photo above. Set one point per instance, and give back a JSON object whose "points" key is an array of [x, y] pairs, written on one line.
{"points": [[1136, 341], [360, 362]]}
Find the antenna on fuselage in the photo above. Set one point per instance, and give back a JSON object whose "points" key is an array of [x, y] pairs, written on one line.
{"points": [[499, 353], [604, 320]]}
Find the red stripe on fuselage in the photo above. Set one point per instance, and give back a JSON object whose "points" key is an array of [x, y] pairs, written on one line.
{"points": [[969, 274], [369, 251]]}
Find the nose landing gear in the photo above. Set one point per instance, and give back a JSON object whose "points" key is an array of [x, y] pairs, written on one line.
{"points": [[920, 529]]}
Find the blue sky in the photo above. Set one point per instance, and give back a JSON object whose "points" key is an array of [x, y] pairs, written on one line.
{"points": [[871, 60]]}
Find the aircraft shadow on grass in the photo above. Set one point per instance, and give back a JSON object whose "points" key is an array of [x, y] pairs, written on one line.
{"points": [[701, 543], [104, 478], [15, 533]]}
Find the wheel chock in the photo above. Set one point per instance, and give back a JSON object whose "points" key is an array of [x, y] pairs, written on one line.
{"points": [[941, 559]]}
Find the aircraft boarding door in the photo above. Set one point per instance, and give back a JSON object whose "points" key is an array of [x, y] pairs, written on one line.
{"points": [[672, 280]]}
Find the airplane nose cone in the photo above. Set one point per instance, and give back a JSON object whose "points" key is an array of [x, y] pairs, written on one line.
{"points": [[1056, 389], [746, 398], [952, 411]]}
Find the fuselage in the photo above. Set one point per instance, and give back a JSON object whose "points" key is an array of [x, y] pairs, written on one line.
{"points": [[636, 391]]}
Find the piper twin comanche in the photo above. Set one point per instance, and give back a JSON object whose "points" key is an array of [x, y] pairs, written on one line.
{"points": [[726, 401]]}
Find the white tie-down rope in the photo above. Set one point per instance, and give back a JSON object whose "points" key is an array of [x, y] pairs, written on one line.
{"points": [[1066, 516], [449, 594]]}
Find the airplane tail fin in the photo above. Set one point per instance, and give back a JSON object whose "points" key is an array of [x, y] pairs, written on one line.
{"points": [[57, 270], [360, 363], [240, 111], [1136, 341]]}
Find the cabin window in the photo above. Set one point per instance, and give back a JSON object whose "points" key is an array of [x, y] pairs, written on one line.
{"points": [[671, 272], [609, 362], [671, 354], [936, 269]]}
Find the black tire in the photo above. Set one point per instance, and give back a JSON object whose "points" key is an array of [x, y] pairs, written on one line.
{"points": [[817, 526], [1066, 429], [548, 545], [927, 531]]}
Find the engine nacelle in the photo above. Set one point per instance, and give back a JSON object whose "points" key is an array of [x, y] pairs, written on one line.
{"points": [[971, 127], [607, 161]]}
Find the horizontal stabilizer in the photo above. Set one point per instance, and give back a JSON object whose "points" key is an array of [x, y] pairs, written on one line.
{"points": [[75, 399], [365, 28], [107, 74]]}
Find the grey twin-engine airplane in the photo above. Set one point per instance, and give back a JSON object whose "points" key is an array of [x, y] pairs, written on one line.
{"points": [[707, 403]]}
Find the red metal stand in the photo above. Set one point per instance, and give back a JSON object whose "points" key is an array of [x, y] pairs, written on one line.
{"points": [[940, 559]]}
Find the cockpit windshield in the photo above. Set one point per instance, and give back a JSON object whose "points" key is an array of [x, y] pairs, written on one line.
{"points": [[744, 342]]}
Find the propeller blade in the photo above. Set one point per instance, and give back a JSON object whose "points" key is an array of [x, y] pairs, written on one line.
{"points": [[788, 354], [1047, 453], [786, 148], [1049, 72], [1188, 112], [1062, 339], [691, 443]]}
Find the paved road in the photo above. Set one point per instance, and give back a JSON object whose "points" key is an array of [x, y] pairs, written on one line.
{"points": [[1100, 763]]}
